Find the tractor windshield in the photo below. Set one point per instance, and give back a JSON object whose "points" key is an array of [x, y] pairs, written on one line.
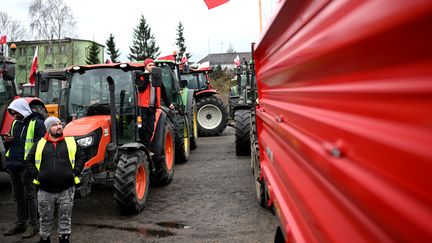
{"points": [[195, 80], [89, 93], [51, 96]]}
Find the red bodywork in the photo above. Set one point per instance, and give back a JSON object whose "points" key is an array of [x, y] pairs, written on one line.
{"points": [[345, 119], [8, 118]]}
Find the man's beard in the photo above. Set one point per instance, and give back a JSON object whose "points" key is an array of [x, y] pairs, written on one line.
{"points": [[57, 134]]}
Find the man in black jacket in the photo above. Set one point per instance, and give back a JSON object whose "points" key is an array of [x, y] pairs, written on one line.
{"points": [[55, 163], [27, 128]]}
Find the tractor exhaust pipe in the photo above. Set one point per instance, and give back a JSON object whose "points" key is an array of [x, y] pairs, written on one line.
{"points": [[110, 81]]}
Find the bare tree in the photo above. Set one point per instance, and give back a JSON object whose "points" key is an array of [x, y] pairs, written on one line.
{"points": [[52, 20], [230, 48], [12, 29]]}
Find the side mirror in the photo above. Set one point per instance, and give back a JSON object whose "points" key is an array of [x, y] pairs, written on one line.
{"points": [[157, 77], [43, 83], [9, 72]]}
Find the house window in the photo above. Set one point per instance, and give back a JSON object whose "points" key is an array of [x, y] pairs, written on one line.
{"points": [[22, 51], [63, 49], [48, 50], [61, 65]]}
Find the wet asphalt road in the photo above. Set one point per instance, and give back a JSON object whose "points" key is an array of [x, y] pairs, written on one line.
{"points": [[211, 199]]}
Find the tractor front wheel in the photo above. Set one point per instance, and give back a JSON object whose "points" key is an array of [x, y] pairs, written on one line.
{"points": [[242, 131], [164, 155], [212, 115], [131, 182]]}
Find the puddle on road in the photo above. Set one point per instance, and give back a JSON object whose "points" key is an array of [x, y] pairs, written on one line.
{"points": [[174, 225], [143, 231]]}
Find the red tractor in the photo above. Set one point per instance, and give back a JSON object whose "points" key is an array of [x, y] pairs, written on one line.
{"points": [[100, 109], [212, 115]]}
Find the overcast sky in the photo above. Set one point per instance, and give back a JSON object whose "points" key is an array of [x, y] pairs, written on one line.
{"points": [[235, 23]]}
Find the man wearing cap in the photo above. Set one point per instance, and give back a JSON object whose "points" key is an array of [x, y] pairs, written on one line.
{"points": [[55, 163], [27, 128], [148, 100]]}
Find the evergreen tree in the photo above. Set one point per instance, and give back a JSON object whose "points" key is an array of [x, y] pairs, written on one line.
{"points": [[111, 49], [92, 53], [143, 44], [180, 42]]}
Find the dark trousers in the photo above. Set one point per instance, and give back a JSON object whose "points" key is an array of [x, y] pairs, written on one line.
{"points": [[24, 194], [148, 116]]}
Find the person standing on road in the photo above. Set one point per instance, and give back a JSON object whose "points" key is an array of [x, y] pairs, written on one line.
{"points": [[55, 163], [27, 128], [148, 100]]}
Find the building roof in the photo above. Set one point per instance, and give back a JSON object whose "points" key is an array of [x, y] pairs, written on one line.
{"points": [[30, 42], [225, 58]]}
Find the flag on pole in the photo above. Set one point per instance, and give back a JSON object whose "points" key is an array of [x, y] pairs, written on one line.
{"points": [[214, 3], [237, 61], [3, 39], [33, 68], [184, 59]]}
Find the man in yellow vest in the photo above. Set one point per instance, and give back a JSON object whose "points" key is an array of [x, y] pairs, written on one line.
{"points": [[148, 100], [27, 128], [55, 163]]}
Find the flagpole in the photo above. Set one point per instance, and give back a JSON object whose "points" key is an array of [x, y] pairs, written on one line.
{"points": [[260, 15]]}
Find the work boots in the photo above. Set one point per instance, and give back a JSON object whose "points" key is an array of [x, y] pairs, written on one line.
{"points": [[31, 231], [64, 238], [16, 229], [44, 240]]}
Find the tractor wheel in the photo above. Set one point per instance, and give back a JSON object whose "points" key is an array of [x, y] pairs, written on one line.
{"points": [[259, 184], [212, 115], [131, 182], [242, 131], [193, 126], [164, 155], [253, 136], [182, 149]]}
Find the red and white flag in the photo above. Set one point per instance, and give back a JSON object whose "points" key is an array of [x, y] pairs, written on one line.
{"points": [[3, 39], [214, 3], [184, 59], [237, 61], [34, 67]]}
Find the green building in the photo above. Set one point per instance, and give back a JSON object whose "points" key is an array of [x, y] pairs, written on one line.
{"points": [[61, 54]]}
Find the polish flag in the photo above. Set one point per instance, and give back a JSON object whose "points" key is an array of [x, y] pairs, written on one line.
{"points": [[237, 61], [184, 59], [214, 3], [2, 39], [33, 68]]}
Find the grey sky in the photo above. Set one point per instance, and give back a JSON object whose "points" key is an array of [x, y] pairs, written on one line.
{"points": [[235, 23]]}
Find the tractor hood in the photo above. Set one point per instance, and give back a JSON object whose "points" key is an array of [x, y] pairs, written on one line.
{"points": [[86, 125]]}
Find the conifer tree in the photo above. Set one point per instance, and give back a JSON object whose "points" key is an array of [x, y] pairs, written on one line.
{"points": [[180, 43], [112, 52], [92, 53], [143, 44]]}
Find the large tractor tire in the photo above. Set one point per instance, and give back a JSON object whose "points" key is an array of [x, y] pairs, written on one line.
{"points": [[164, 156], [193, 121], [182, 149], [212, 115], [242, 131], [131, 182], [259, 182]]}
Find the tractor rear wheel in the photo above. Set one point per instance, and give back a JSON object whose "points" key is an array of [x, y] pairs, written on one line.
{"points": [[193, 125], [242, 131], [212, 115], [164, 155], [131, 182], [182, 149]]}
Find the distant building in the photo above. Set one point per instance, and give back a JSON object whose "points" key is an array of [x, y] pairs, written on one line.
{"points": [[61, 54], [225, 60]]}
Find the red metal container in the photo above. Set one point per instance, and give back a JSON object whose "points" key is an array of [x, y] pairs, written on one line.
{"points": [[345, 119]]}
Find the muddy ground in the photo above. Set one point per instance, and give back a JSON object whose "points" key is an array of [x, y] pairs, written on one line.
{"points": [[211, 199]]}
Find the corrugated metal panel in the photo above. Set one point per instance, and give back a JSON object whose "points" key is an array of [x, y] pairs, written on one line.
{"points": [[346, 121]]}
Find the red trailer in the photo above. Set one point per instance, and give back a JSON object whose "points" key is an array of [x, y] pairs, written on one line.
{"points": [[344, 120]]}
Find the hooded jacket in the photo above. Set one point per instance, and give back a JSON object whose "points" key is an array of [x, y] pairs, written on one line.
{"points": [[15, 160], [56, 173]]}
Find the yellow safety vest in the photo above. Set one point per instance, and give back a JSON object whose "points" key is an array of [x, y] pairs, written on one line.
{"points": [[29, 138], [71, 147]]}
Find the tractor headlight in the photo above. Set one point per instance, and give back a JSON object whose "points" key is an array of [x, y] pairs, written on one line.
{"points": [[85, 141]]}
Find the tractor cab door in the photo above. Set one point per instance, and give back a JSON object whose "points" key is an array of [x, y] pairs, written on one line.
{"points": [[49, 87], [172, 88]]}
